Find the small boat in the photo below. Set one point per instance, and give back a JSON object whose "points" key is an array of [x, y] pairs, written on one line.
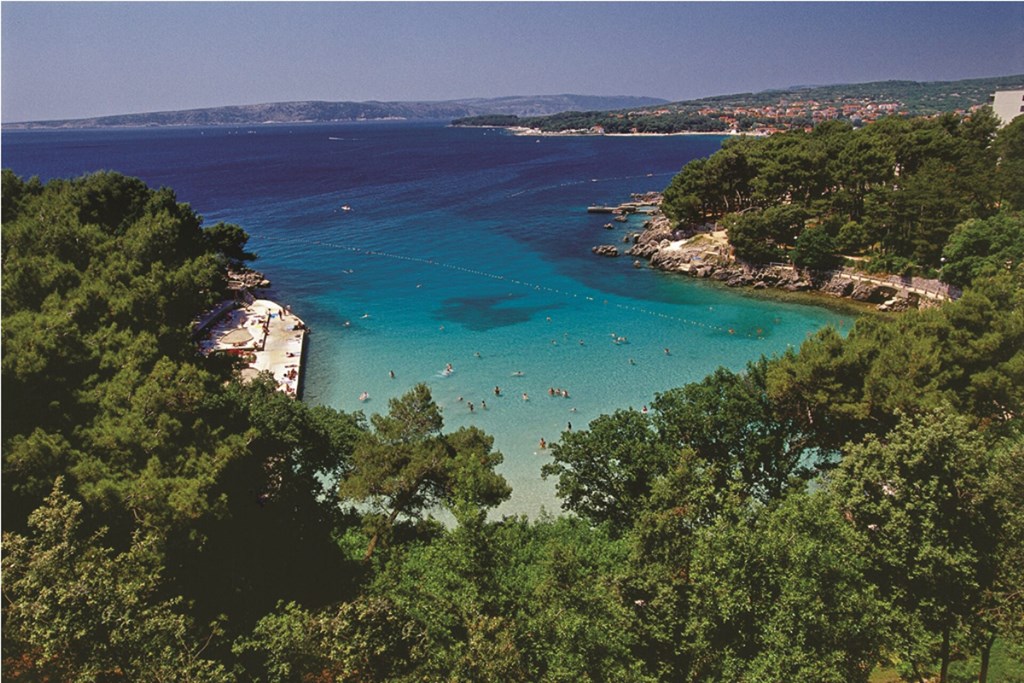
{"points": [[608, 226], [346, 207]]}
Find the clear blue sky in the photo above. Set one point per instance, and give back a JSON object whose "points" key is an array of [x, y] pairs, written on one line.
{"points": [[80, 59]]}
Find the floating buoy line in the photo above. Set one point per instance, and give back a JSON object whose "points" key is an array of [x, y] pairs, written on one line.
{"points": [[515, 281], [571, 183]]}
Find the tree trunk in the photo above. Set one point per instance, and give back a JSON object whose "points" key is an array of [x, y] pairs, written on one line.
{"points": [[376, 534], [373, 545], [945, 654], [986, 650]]}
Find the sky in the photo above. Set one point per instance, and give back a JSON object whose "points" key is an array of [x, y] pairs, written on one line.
{"points": [[81, 59]]}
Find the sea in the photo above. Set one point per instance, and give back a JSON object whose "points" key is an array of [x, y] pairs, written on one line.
{"points": [[457, 257]]}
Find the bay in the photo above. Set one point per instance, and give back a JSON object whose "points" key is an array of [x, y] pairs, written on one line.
{"points": [[468, 247]]}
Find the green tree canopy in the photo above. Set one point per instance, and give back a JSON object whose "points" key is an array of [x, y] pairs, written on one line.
{"points": [[407, 466]]}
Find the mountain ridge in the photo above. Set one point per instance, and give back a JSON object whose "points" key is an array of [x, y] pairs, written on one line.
{"points": [[324, 111]]}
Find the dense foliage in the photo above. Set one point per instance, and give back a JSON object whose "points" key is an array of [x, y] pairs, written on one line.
{"points": [[852, 504], [894, 192]]}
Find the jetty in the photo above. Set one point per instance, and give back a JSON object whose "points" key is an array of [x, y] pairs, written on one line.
{"points": [[644, 206], [266, 336]]}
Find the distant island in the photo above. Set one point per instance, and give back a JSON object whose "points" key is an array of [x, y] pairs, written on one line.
{"points": [[766, 112], [327, 112]]}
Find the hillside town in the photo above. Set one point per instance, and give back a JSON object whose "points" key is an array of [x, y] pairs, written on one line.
{"points": [[785, 114]]}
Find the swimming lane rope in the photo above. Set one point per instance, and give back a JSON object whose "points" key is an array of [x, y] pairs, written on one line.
{"points": [[520, 283]]}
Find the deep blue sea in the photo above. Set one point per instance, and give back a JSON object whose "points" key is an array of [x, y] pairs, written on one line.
{"points": [[468, 247]]}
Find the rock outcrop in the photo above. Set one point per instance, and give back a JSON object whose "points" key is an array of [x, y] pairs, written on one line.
{"points": [[605, 250], [246, 278], [706, 253]]}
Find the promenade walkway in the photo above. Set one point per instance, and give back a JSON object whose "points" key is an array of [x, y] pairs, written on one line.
{"points": [[269, 337], [903, 285], [929, 289], [282, 349]]}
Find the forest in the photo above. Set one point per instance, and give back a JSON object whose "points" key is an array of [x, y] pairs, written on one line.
{"points": [[849, 511], [906, 196]]}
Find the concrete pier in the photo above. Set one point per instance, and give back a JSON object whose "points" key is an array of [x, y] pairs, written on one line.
{"points": [[268, 336]]}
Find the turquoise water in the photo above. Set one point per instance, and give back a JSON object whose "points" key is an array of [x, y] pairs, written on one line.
{"points": [[463, 247]]}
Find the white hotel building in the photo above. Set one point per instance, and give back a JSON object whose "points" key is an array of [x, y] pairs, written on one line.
{"points": [[1008, 104]]}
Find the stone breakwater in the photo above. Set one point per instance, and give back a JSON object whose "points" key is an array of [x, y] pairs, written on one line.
{"points": [[706, 253]]}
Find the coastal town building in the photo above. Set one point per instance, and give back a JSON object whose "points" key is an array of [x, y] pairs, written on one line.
{"points": [[1007, 104]]}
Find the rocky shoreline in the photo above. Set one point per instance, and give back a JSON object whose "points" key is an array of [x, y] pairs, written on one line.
{"points": [[705, 253]]}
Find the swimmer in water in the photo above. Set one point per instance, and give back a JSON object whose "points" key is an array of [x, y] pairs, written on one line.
{"points": [[363, 396], [483, 404], [667, 352], [517, 373], [391, 373], [477, 354], [497, 390], [525, 396], [470, 404], [543, 443]]}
